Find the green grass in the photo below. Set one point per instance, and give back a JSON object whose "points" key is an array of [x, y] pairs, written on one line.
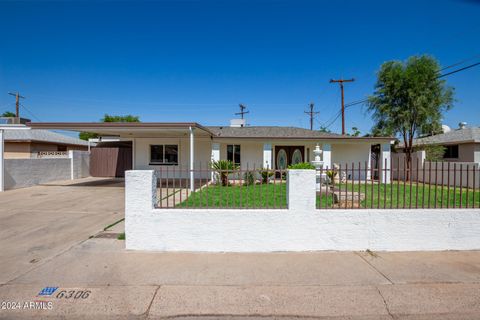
{"points": [[253, 196], [392, 196], [275, 196]]}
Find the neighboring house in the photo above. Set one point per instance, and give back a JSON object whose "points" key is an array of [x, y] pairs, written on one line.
{"points": [[21, 143], [461, 145], [191, 145]]}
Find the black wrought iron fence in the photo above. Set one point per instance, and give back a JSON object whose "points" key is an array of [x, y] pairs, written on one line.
{"points": [[208, 188], [399, 185]]}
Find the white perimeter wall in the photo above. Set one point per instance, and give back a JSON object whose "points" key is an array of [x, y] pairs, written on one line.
{"points": [[300, 228], [21, 173]]}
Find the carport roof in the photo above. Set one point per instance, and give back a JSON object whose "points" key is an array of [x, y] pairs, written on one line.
{"points": [[117, 128]]}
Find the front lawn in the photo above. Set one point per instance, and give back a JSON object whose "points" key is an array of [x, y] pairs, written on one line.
{"points": [[252, 196], [388, 196], [398, 195]]}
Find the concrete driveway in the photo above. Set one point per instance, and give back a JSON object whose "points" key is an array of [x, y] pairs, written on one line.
{"points": [[41, 222]]}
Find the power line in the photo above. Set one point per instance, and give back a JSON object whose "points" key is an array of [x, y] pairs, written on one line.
{"points": [[460, 62], [30, 112], [458, 70], [6, 105]]}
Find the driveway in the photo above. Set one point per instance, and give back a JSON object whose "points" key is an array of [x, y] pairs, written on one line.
{"points": [[41, 222]]}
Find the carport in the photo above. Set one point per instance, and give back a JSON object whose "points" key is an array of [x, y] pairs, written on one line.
{"points": [[145, 137]]}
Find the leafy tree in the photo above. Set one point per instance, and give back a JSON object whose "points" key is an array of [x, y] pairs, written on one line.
{"points": [[87, 135], [355, 132], [324, 129], [109, 118], [8, 114], [409, 100], [125, 118]]}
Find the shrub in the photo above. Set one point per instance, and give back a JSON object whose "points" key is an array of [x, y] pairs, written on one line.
{"points": [[432, 152], [265, 173], [248, 178], [301, 165], [331, 176], [223, 168]]}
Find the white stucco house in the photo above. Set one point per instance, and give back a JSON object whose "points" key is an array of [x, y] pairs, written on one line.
{"points": [[189, 145]]}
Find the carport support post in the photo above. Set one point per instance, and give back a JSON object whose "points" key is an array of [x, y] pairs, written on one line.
{"points": [[384, 164], [192, 158], [267, 156], [327, 156], [215, 157], [2, 187]]}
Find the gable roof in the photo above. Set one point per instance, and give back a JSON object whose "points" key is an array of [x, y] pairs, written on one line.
{"points": [[257, 132], [26, 135], [466, 135]]}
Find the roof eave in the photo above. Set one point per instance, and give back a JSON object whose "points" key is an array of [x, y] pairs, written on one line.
{"points": [[311, 138], [79, 126]]}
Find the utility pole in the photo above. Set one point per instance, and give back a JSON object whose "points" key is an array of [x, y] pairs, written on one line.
{"points": [[17, 102], [242, 112], [341, 81], [312, 114]]}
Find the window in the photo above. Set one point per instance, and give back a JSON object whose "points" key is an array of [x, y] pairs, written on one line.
{"points": [[171, 153], [451, 152], [164, 154], [233, 153]]}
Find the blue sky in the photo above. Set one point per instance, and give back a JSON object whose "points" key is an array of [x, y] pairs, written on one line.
{"points": [[197, 60]]}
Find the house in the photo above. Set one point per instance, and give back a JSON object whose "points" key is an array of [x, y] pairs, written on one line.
{"points": [[461, 145], [21, 142], [189, 145]]}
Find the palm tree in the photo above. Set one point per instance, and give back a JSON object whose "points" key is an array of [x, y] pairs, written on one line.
{"points": [[222, 167]]}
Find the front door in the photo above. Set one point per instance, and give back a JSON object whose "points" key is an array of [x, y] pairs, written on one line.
{"points": [[287, 155]]}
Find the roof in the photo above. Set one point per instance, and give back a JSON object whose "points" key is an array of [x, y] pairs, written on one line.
{"points": [[41, 136], [466, 135], [257, 132], [146, 128]]}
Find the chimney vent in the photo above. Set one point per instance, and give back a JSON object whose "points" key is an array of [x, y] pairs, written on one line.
{"points": [[462, 125], [237, 123]]}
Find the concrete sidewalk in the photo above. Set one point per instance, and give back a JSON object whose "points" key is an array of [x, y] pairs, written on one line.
{"points": [[325, 285]]}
